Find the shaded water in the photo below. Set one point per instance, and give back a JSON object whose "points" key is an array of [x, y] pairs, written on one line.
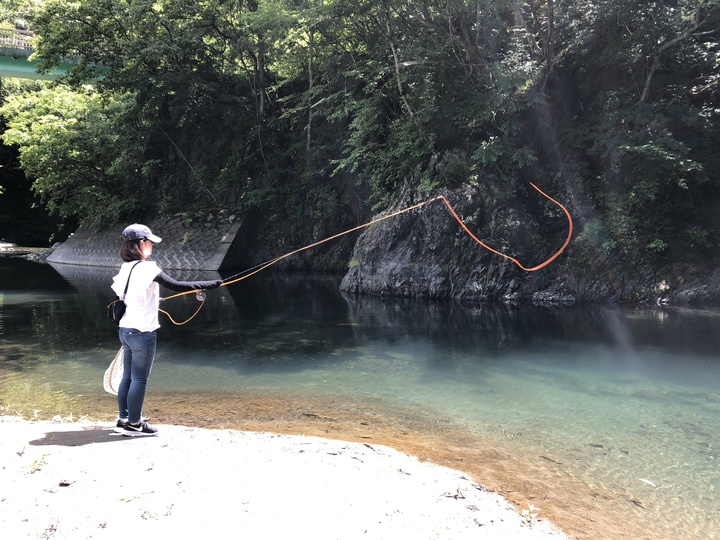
{"points": [[614, 412]]}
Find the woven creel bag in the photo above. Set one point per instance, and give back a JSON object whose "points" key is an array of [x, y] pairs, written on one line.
{"points": [[113, 374]]}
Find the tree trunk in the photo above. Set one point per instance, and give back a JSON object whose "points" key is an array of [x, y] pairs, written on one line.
{"points": [[396, 61], [260, 75], [550, 36], [692, 31], [311, 43]]}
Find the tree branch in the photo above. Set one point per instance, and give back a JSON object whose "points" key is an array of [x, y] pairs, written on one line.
{"points": [[396, 62], [692, 31]]}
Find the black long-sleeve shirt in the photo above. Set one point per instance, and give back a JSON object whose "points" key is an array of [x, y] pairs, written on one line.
{"points": [[182, 286]]}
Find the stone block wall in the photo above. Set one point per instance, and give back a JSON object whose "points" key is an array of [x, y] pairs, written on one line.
{"points": [[198, 247]]}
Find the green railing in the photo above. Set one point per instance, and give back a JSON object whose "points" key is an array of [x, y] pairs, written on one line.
{"points": [[16, 46], [20, 40]]}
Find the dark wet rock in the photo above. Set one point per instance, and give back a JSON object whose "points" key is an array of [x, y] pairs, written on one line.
{"points": [[425, 253]]}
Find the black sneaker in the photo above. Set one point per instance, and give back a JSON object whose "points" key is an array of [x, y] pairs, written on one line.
{"points": [[141, 429], [120, 425]]}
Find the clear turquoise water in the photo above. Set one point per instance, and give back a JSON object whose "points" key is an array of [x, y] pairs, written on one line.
{"points": [[624, 399]]}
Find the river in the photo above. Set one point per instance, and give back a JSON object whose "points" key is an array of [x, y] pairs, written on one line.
{"points": [[605, 418]]}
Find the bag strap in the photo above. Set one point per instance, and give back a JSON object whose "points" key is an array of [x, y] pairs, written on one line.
{"points": [[128, 281]]}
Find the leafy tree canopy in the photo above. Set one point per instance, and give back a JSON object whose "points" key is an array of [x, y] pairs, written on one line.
{"points": [[297, 106]]}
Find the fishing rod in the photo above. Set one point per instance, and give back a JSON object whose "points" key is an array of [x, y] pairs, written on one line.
{"points": [[201, 295], [230, 279]]}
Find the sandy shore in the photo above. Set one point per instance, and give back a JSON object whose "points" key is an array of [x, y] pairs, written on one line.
{"points": [[82, 480]]}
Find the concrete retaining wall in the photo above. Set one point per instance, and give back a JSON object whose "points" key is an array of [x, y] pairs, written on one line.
{"points": [[198, 247]]}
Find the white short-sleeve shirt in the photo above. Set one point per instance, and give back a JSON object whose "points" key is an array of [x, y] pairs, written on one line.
{"points": [[143, 295]]}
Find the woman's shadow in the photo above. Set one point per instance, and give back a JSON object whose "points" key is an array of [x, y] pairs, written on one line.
{"points": [[80, 437]]}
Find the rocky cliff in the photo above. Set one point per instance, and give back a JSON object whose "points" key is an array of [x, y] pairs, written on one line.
{"points": [[426, 254]]}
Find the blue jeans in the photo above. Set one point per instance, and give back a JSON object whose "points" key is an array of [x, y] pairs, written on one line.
{"points": [[138, 356]]}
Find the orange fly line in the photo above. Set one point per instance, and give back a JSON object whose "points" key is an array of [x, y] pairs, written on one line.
{"points": [[266, 265]]}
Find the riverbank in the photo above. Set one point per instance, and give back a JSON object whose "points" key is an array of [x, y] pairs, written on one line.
{"points": [[82, 480], [11, 250], [521, 473]]}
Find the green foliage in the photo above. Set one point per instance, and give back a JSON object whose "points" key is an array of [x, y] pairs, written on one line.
{"points": [[67, 140], [657, 246], [646, 81], [594, 237], [294, 108], [652, 177], [456, 170], [18, 13], [699, 237], [23, 219], [368, 87]]}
